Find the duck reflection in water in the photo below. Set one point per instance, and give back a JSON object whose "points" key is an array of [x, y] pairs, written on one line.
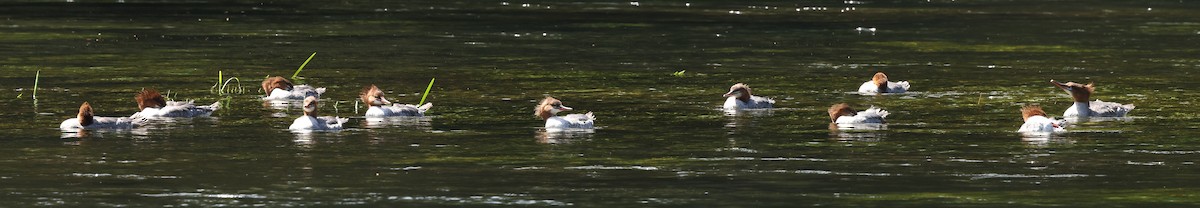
{"points": [[559, 136]]}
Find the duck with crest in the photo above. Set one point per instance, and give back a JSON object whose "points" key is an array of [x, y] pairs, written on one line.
{"points": [[1036, 121], [740, 98], [381, 107], [86, 119], [1080, 93], [311, 122], [279, 88], [153, 105], [880, 84], [550, 107]]}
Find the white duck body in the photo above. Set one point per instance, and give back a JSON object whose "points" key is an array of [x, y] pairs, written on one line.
{"points": [[310, 122], [298, 92], [185, 109], [398, 110], [549, 107], [101, 123], [880, 84], [325, 123], [279, 88], [755, 102], [381, 107], [1081, 108], [1041, 124], [872, 115], [86, 120], [571, 121], [739, 98], [892, 87], [1098, 108]]}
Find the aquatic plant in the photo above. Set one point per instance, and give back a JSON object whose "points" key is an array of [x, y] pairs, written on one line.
{"points": [[310, 57], [36, 77], [679, 73], [222, 85], [426, 94]]}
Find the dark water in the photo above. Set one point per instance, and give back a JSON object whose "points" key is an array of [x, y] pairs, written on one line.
{"points": [[661, 141]]}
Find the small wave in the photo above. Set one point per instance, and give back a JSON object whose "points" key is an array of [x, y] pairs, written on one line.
{"points": [[999, 175], [601, 167]]}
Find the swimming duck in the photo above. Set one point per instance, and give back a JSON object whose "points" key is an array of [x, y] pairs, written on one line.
{"points": [[548, 109], [1036, 121], [880, 84], [739, 98], [154, 105], [842, 114], [310, 121], [279, 88], [380, 107], [1084, 108], [86, 120]]}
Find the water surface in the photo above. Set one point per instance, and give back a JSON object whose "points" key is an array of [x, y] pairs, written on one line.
{"points": [[662, 141]]}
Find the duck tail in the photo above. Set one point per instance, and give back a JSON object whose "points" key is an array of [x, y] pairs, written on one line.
{"points": [[425, 106]]}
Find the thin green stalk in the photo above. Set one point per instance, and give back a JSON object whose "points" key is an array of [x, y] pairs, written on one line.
{"points": [[294, 75], [426, 94], [36, 77]]}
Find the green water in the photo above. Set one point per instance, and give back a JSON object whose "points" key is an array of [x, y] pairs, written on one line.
{"points": [[661, 140]]}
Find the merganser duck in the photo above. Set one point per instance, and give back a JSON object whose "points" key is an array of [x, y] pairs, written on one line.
{"points": [[310, 122], [1084, 108], [86, 120], [548, 109], [739, 98], [381, 107], [153, 105], [279, 88], [843, 115], [880, 84], [1036, 121]]}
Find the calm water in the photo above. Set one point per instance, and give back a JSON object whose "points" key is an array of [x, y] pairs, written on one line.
{"points": [[661, 141]]}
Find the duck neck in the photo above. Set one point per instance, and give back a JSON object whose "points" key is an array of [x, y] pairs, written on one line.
{"points": [[1082, 108]]}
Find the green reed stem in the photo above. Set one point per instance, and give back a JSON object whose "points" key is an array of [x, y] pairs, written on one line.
{"points": [[36, 77], [426, 94], [294, 75]]}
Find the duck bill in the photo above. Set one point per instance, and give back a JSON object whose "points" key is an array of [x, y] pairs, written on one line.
{"points": [[564, 108], [384, 101], [1061, 85], [730, 94]]}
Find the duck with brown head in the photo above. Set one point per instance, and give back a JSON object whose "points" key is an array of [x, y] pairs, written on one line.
{"points": [[1036, 121], [153, 105], [845, 117], [311, 122], [86, 119], [549, 107], [1082, 108], [381, 107], [740, 98], [879, 84], [279, 88]]}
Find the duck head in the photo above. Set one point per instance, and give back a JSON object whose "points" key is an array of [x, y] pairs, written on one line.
{"points": [[310, 106], [548, 107], [1080, 92], [1030, 111], [740, 90], [371, 95], [276, 82], [880, 81], [85, 114], [150, 98], [839, 110]]}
